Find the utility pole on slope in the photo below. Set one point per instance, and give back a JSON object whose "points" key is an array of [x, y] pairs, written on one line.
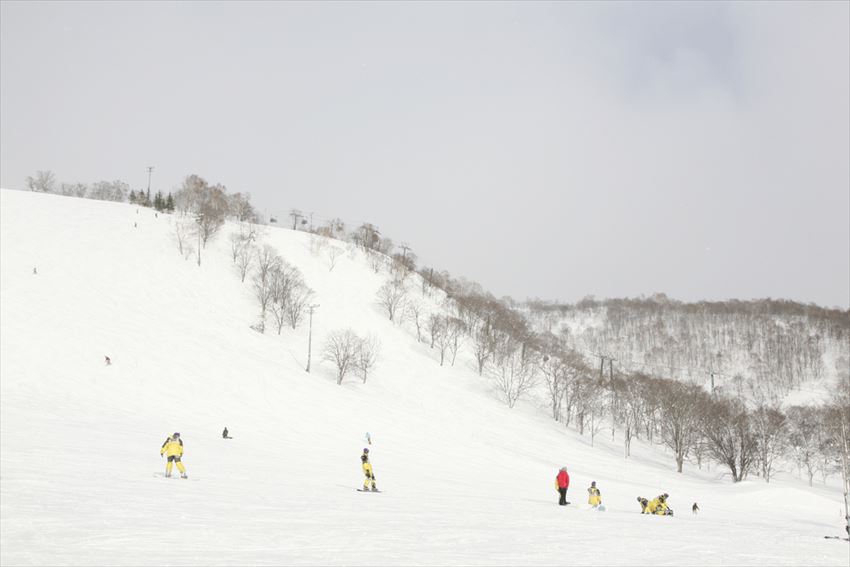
{"points": [[150, 171], [200, 221], [613, 393], [296, 215], [310, 337]]}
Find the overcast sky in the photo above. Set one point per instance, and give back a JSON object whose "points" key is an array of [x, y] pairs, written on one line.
{"points": [[551, 150]]}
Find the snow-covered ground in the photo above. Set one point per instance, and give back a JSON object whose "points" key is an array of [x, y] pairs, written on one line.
{"points": [[465, 479]]}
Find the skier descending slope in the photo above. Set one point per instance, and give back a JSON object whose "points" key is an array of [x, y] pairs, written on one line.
{"points": [[367, 470], [173, 449], [562, 483]]}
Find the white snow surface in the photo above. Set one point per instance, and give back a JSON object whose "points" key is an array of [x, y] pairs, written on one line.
{"points": [[466, 480]]}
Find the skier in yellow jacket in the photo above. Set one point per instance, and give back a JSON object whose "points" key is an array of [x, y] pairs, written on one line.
{"points": [[594, 497], [173, 449], [367, 470]]}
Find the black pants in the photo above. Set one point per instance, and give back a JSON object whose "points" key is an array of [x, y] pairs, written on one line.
{"points": [[563, 493]]}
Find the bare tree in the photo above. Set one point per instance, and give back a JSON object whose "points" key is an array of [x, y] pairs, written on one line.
{"points": [[513, 378], [391, 297], [368, 349], [435, 327], [341, 350], [483, 343], [837, 421], [804, 437], [444, 337], [109, 191], [280, 287], [239, 206], [769, 427], [43, 182], [236, 244], [414, 313], [458, 330], [681, 406], [334, 252], [317, 244], [728, 436], [267, 259], [182, 229], [450, 338], [268, 262], [211, 212], [376, 260], [558, 370], [301, 298], [245, 259]]}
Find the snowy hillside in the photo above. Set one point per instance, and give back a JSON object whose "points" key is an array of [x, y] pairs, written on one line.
{"points": [[465, 479], [780, 351]]}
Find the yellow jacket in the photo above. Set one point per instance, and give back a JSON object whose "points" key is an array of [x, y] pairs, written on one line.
{"points": [[367, 466], [652, 506], [172, 447], [595, 498], [656, 506]]}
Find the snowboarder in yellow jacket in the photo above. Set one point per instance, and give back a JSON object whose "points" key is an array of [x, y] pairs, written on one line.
{"points": [[594, 497], [367, 471], [658, 506], [173, 449]]}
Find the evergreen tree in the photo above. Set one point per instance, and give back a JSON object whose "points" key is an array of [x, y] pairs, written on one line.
{"points": [[169, 203], [132, 196]]}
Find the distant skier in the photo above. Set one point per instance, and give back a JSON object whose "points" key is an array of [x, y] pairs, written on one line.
{"points": [[562, 483], [34, 271], [643, 504], [695, 508], [594, 497], [173, 449], [224, 433], [367, 471], [107, 360]]}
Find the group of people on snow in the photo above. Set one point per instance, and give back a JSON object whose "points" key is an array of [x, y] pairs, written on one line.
{"points": [[657, 506], [562, 484], [172, 448]]}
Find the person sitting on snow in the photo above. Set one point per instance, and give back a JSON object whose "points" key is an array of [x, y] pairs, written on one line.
{"points": [[643, 504], [594, 497], [658, 506]]}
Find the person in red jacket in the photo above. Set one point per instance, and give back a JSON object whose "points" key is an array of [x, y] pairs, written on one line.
{"points": [[562, 483]]}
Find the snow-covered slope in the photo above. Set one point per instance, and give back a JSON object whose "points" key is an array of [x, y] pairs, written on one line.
{"points": [[466, 480]]}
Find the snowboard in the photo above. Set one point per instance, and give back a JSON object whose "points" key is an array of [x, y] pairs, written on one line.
{"points": [[361, 490], [177, 476]]}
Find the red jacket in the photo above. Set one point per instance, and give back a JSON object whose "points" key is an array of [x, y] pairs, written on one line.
{"points": [[563, 479]]}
